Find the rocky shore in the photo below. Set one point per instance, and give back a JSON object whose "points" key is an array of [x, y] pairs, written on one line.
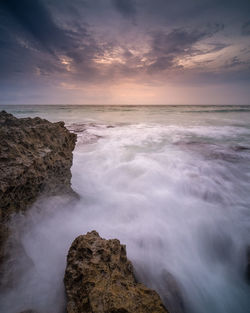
{"points": [[35, 159], [100, 279]]}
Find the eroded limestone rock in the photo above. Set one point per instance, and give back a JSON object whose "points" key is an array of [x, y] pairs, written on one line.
{"points": [[35, 159], [99, 279]]}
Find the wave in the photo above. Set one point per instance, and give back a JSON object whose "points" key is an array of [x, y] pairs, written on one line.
{"points": [[177, 196]]}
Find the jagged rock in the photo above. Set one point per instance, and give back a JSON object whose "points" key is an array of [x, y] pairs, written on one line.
{"points": [[35, 158], [99, 279]]}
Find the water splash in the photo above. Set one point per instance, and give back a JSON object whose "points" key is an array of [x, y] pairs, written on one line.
{"points": [[177, 196]]}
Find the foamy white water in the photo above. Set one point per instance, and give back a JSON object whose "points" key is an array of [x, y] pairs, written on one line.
{"points": [[172, 183]]}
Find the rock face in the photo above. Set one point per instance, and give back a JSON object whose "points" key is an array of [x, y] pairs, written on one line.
{"points": [[35, 158], [99, 279]]}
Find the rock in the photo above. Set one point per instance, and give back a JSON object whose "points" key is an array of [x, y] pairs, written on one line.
{"points": [[99, 279], [35, 159], [36, 156]]}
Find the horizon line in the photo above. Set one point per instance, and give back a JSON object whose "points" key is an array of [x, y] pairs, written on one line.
{"points": [[106, 104]]}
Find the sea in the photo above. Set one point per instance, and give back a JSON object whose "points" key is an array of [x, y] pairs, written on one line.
{"points": [[172, 183]]}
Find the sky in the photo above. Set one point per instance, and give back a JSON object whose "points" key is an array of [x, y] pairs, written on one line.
{"points": [[125, 52]]}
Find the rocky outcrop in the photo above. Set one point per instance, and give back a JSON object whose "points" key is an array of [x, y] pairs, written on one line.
{"points": [[99, 279], [35, 159]]}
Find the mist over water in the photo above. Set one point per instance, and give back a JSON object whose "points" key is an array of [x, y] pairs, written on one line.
{"points": [[172, 183]]}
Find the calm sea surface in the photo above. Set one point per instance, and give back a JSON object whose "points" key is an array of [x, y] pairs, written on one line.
{"points": [[171, 182]]}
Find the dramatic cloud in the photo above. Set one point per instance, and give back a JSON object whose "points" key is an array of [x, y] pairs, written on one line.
{"points": [[39, 43], [126, 7], [85, 45], [36, 20], [167, 48]]}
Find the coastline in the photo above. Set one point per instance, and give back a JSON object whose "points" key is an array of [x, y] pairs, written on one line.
{"points": [[36, 159]]}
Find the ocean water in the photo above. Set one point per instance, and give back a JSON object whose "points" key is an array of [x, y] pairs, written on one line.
{"points": [[170, 182]]}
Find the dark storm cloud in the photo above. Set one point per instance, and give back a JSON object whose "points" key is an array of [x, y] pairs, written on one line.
{"points": [[126, 7], [193, 10], [84, 41], [37, 21], [38, 45], [181, 40], [167, 47]]}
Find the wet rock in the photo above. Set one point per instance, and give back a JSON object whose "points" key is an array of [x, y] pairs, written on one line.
{"points": [[99, 279], [35, 159]]}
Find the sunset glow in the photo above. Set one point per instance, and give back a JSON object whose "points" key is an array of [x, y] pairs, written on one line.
{"points": [[125, 52]]}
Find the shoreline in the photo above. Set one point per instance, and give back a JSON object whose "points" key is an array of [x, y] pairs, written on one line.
{"points": [[56, 181]]}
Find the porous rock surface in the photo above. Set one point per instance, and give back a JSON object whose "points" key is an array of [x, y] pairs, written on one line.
{"points": [[99, 279], [35, 158]]}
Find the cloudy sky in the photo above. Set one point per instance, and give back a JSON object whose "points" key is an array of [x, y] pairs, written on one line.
{"points": [[125, 51]]}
